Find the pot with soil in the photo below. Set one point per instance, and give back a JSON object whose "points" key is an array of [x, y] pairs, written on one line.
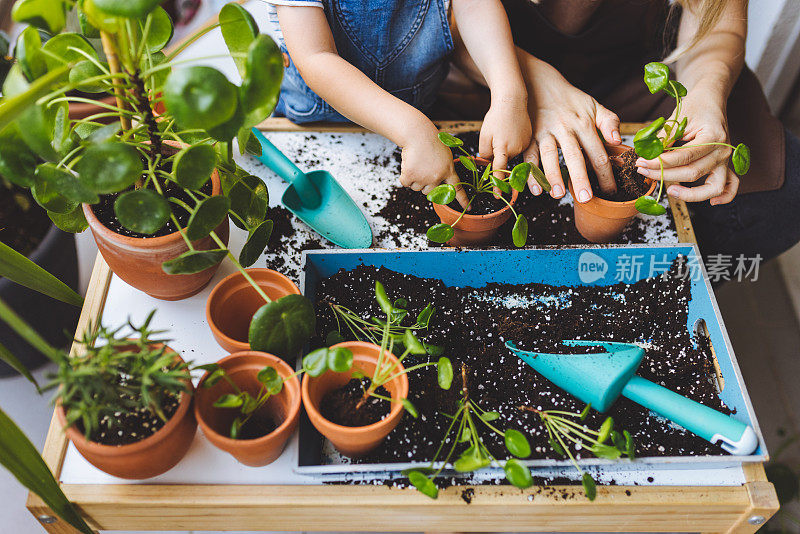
{"points": [[353, 422], [604, 217], [261, 438], [233, 302]]}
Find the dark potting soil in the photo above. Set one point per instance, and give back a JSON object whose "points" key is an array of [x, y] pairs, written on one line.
{"points": [[124, 428], [104, 210], [23, 223], [630, 184], [473, 324], [341, 406], [482, 204], [257, 427]]}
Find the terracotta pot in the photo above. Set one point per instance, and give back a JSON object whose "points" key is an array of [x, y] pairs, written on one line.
{"points": [[81, 110], [283, 408], [354, 441], [233, 301], [600, 220], [138, 260], [473, 230], [147, 458]]}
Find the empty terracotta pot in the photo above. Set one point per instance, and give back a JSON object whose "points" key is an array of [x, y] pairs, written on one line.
{"points": [[600, 220], [233, 301], [138, 260], [474, 230], [283, 408], [147, 458], [354, 441]]}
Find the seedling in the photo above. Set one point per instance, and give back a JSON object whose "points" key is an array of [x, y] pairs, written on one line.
{"points": [[564, 431], [392, 332], [464, 428], [649, 145], [486, 183]]}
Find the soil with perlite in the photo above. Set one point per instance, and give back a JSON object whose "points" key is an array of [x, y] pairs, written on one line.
{"points": [[472, 324], [482, 203], [124, 428], [344, 406]]}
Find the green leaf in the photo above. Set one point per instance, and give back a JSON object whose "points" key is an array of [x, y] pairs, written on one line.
{"points": [[333, 338], [17, 161], [423, 484], [382, 298], [28, 52], [155, 81], [741, 159], [675, 89], [315, 363], [471, 460], [605, 429], [440, 233], [83, 22], [680, 129], [109, 167], [200, 97], [48, 15], [160, 32], [229, 400], [520, 231], [239, 30], [132, 9], [466, 435], [20, 457], [648, 205], [194, 261], [193, 166], [556, 446], [650, 130], [518, 474], [618, 440], [214, 377], [502, 185], [656, 76], [11, 107], [433, 350], [585, 411], [339, 360], [410, 408], [26, 332], [444, 373], [442, 194], [50, 199], [63, 49], [649, 147], [424, 317], [282, 326], [516, 443], [468, 163], [104, 133], [449, 140], [84, 70], [271, 379], [73, 222], [249, 201], [261, 83], [229, 129], [208, 214], [255, 244], [142, 210], [252, 145], [605, 451], [412, 344], [14, 363], [236, 427], [629, 446], [100, 18], [490, 416], [589, 486], [519, 176]]}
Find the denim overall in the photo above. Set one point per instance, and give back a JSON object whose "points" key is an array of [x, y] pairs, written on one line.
{"points": [[402, 45]]}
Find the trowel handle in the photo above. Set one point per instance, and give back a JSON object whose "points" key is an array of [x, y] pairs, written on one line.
{"points": [[736, 437], [288, 171]]}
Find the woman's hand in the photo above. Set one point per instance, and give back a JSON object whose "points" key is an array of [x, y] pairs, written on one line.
{"points": [[706, 123], [566, 117]]}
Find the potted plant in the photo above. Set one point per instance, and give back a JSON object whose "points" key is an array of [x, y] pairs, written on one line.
{"points": [[486, 195], [356, 409]]}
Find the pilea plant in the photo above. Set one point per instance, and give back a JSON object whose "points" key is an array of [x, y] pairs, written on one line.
{"points": [[392, 332], [564, 432], [464, 428], [338, 360], [487, 183], [649, 145], [155, 187]]}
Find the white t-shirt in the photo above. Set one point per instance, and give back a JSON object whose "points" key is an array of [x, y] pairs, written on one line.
{"points": [[272, 13]]}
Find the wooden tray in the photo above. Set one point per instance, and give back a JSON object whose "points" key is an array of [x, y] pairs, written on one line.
{"points": [[156, 506]]}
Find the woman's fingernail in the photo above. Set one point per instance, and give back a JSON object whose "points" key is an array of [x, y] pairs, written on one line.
{"points": [[615, 136], [641, 162], [557, 191], [584, 196], [643, 171], [536, 189]]}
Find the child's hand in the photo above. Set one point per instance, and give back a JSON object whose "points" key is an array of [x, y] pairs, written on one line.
{"points": [[506, 132], [426, 163]]}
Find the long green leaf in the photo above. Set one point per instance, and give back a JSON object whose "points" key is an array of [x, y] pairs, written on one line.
{"points": [[20, 457], [24, 272], [8, 316], [12, 108], [13, 361]]}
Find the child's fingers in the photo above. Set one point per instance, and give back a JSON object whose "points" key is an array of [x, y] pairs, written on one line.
{"points": [[427, 189], [461, 195]]}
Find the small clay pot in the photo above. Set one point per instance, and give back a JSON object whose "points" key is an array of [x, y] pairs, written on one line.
{"points": [[355, 441], [137, 261], [600, 220], [147, 458], [81, 110], [283, 408], [233, 301], [474, 230]]}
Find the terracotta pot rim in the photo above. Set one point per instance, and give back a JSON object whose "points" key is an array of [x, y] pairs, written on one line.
{"points": [[467, 216], [396, 407], [144, 242], [270, 359], [101, 449], [243, 346]]}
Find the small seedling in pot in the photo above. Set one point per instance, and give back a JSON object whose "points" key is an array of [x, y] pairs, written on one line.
{"points": [[564, 431], [649, 145], [464, 429], [486, 182]]}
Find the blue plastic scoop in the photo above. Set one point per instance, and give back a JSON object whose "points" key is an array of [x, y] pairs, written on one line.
{"points": [[600, 378], [317, 199]]}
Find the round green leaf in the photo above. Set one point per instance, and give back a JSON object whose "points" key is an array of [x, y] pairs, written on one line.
{"points": [[410, 408], [741, 159], [423, 484], [519, 176], [471, 460], [520, 231], [109, 167], [648, 147], [651, 129], [656, 76], [339, 360], [28, 52], [282, 326], [315, 363], [85, 70], [271, 379], [132, 9], [516, 443], [333, 338], [101, 19], [65, 183], [468, 163], [193, 166], [200, 97], [73, 222], [249, 201], [194, 261], [490, 416], [605, 451], [161, 30], [648, 205], [208, 214], [229, 400], [442, 194], [589, 486], [449, 140], [440, 233], [412, 344], [239, 30], [230, 128], [50, 199], [142, 210], [62, 49], [605, 429], [675, 89], [502, 185], [444, 371], [83, 21], [17, 161], [261, 83], [518, 474], [44, 14], [255, 244]]}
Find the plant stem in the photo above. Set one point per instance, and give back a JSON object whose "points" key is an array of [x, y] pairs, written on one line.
{"points": [[113, 64]]}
